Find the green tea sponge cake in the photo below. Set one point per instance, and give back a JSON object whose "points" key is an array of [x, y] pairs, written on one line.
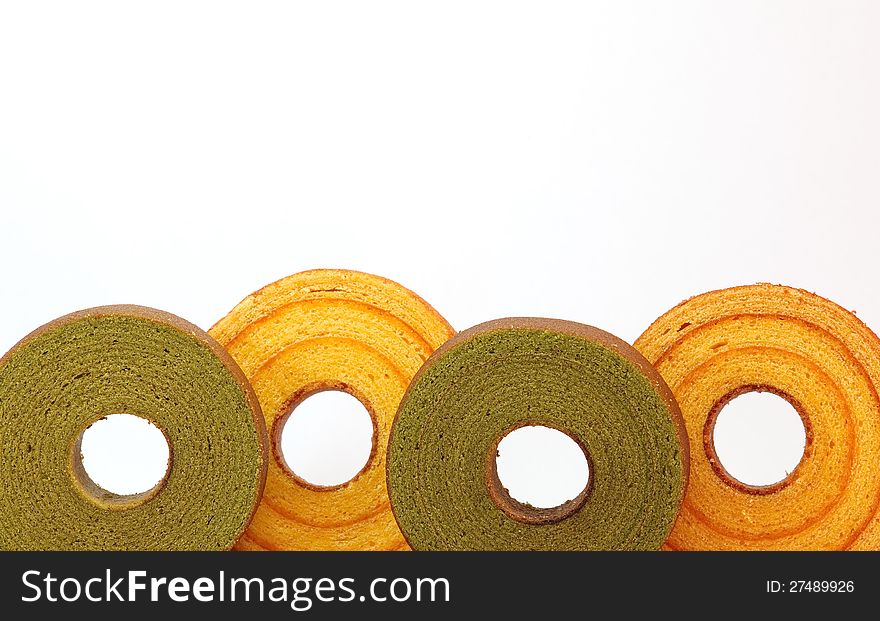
{"points": [[499, 376], [826, 363], [329, 330], [80, 368]]}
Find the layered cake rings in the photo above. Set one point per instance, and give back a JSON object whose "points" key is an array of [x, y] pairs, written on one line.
{"points": [[126, 360], [506, 374], [329, 330], [820, 358]]}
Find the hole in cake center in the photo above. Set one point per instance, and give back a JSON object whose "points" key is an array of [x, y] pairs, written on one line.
{"points": [[759, 438], [539, 474], [327, 439], [123, 458]]}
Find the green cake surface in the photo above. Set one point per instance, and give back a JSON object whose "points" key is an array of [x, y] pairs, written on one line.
{"points": [[72, 372], [508, 373]]}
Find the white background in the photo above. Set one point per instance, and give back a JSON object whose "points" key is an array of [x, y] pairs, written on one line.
{"points": [[596, 161]]}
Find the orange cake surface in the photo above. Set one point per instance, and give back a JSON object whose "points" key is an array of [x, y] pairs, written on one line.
{"points": [[329, 330], [820, 358]]}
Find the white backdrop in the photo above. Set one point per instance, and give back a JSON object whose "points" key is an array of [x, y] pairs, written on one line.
{"points": [[596, 161]]}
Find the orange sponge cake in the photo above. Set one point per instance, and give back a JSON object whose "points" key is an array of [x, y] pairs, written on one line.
{"points": [[329, 330], [826, 363]]}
